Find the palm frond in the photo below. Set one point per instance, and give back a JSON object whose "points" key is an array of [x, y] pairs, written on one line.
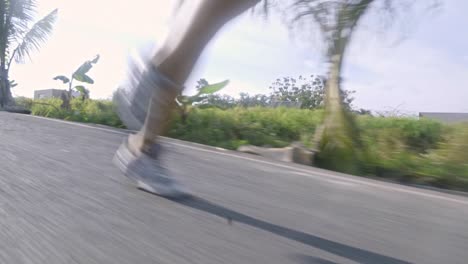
{"points": [[264, 8], [33, 39], [20, 14], [22, 9]]}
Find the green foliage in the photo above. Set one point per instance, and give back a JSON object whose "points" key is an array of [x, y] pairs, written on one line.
{"points": [[80, 75], [89, 111], [247, 100], [403, 149], [13, 84], [396, 147], [49, 108], [212, 88], [24, 102], [204, 89], [309, 93], [62, 78], [35, 36], [287, 91], [257, 126], [226, 101], [417, 135], [218, 101], [84, 93], [447, 165], [95, 111], [338, 143]]}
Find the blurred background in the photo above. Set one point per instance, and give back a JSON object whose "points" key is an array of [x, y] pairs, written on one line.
{"points": [[419, 65], [401, 112]]}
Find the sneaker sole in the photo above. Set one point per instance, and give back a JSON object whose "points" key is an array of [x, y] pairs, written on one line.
{"points": [[164, 191], [123, 157]]}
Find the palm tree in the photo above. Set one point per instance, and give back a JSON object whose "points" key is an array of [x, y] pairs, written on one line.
{"points": [[337, 139], [18, 39]]}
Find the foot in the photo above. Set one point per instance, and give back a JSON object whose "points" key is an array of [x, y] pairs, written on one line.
{"points": [[147, 171]]}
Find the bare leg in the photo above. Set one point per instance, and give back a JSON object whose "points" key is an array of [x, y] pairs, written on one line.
{"points": [[176, 59]]}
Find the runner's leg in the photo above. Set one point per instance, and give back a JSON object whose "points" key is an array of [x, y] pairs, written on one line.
{"points": [[139, 157], [196, 24]]}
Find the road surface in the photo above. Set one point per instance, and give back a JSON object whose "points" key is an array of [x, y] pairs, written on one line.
{"points": [[62, 201]]}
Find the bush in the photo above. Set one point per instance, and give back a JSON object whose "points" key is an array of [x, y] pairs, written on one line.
{"points": [[49, 108], [24, 102], [89, 111], [447, 165], [95, 111], [418, 135], [418, 151], [274, 127], [393, 147]]}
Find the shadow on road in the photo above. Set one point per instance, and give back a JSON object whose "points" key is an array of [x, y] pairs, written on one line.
{"points": [[352, 253], [305, 259]]}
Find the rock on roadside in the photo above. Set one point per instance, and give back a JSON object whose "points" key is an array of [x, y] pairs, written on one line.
{"points": [[296, 153]]}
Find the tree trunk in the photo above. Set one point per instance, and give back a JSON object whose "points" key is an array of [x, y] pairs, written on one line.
{"points": [[66, 97], [2, 94], [336, 139], [6, 97]]}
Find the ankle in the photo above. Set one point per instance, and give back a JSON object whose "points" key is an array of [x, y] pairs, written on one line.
{"points": [[169, 75], [138, 144]]}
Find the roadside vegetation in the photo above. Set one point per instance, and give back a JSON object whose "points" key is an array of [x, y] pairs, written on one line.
{"points": [[404, 149], [315, 110]]}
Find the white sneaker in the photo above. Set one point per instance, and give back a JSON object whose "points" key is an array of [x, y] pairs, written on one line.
{"points": [[147, 171]]}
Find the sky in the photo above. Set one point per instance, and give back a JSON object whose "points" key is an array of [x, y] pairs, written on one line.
{"points": [[420, 65]]}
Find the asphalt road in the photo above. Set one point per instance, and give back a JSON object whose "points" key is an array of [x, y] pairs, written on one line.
{"points": [[62, 201]]}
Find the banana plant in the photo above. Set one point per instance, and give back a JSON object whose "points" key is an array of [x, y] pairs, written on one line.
{"points": [[13, 84], [204, 89], [79, 75], [84, 93]]}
